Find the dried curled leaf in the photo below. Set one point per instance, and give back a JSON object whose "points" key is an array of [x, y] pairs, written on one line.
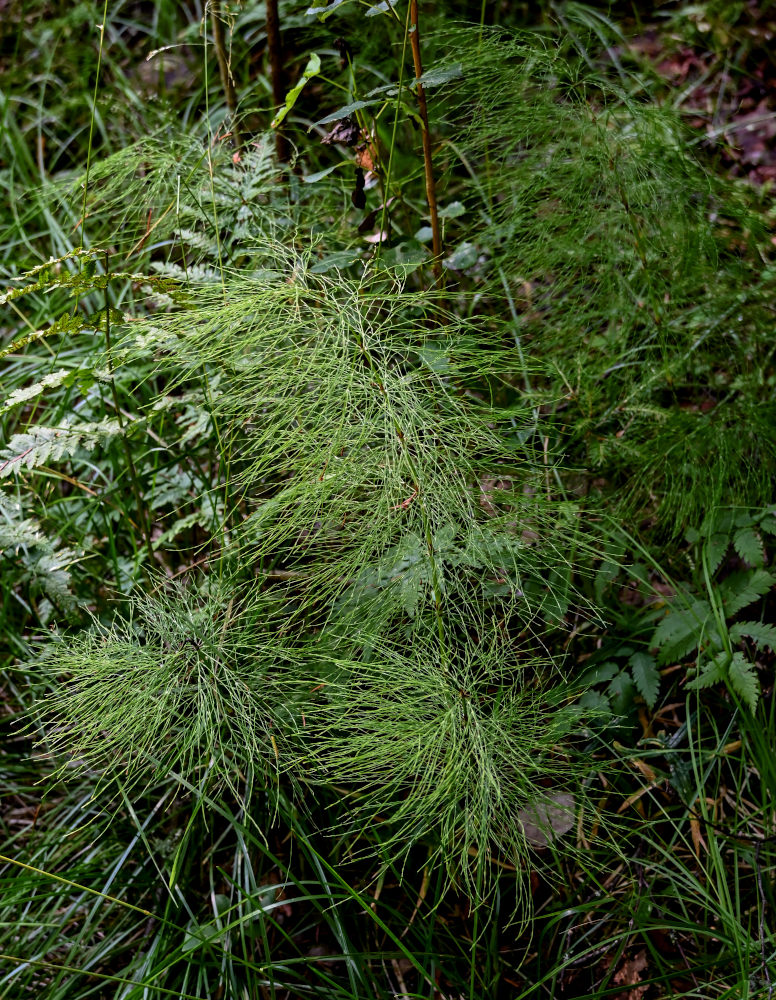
{"points": [[547, 818]]}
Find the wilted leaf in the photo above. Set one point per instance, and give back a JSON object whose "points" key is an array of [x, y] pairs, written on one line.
{"points": [[346, 132], [547, 818], [629, 974]]}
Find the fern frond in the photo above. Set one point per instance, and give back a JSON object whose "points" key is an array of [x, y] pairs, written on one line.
{"points": [[45, 565], [759, 632], [40, 445]]}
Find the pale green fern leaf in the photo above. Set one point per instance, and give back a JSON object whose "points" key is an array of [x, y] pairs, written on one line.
{"points": [[40, 445]]}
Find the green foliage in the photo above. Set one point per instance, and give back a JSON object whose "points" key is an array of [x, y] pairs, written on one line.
{"points": [[182, 685], [705, 624], [453, 747], [630, 271], [357, 474], [614, 688], [646, 677], [43, 444], [44, 564]]}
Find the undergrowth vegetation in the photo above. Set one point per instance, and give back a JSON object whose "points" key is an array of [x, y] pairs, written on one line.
{"points": [[386, 512]]}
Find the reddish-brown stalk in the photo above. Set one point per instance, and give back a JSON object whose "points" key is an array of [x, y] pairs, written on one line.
{"points": [[227, 81], [436, 233]]}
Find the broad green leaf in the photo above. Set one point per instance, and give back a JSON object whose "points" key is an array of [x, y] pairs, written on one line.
{"points": [[742, 589], [621, 692], [748, 544], [436, 77], [324, 8], [681, 630], [600, 673], [436, 358], [743, 680], [337, 259], [595, 703], [312, 69], [452, 211], [320, 174], [462, 257], [347, 110], [646, 676], [381, 8], [406, 256], [712, 672], [762, 634]]}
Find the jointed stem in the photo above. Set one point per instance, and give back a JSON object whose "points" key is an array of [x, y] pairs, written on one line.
{"points": [[275, 53], [141, 508], [227, 81], [418, 491], [91, 122], [427, 155]]}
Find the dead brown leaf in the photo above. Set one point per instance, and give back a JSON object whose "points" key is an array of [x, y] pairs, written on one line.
{"points": [[629, 974]]}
